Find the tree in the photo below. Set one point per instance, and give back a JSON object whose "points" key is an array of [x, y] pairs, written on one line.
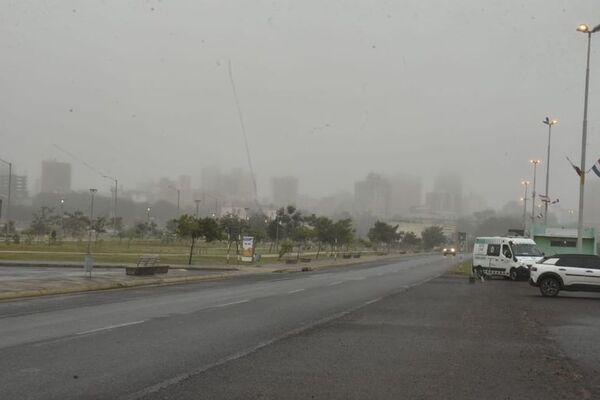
{"points": [[343, 233], [382, 233], [76, 223], [433, 236], [410, 239], [193, 228], [323, 231], [44, 221]]}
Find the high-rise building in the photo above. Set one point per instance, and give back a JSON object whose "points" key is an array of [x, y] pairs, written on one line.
{"points": [[405, 193], [18, 183], [372, 195], [285, 191], [447, 195], [56, 177]]}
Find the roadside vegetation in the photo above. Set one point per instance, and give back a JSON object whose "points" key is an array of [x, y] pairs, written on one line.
{"points": [[287, 235]]}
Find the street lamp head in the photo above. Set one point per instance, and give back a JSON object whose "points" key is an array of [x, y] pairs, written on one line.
{"points": [[535, 162], [583, 28], [525, 183], [92, 191], [148, 209], [550, 122], [62, 201]]}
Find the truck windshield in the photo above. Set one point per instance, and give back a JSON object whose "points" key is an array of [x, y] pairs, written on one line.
{"points": [[526, 249]]}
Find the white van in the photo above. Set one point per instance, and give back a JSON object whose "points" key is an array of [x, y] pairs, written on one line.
{"points": [[505, 256]]}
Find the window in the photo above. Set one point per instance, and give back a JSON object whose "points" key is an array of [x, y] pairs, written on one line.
{"points": [[526, 250], [493, 250], [563, 243], [506, 251]]}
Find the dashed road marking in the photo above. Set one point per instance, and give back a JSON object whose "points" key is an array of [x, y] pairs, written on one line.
{"points": [[105, 328], [296, 291], [232, 303]]}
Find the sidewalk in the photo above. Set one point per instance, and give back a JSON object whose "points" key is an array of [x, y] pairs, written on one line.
{"points": [[31, 278]]}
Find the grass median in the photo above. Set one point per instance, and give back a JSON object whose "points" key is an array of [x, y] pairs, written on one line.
{"points": [[462, 268]]}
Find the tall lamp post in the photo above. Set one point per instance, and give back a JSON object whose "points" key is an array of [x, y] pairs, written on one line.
{"points": [[584, 29], [197, 207], [535, 164], [548, 122], [62, 216], [115, 201], [178, 198], [524, 199], [89, 247], [8, 199]]}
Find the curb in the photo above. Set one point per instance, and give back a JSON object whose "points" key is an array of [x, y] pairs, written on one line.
{"points": [[92, 287]]}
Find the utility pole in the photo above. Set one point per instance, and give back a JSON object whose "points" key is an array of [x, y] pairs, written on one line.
{"points": [[115, 200], [548, 122], [584, 29], [7, 233], [526, 184], [89, 247], [535, 164], [197, 207]]}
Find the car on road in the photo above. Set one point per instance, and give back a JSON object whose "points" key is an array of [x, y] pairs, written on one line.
{"points": [[449, 251], [573, 272]]}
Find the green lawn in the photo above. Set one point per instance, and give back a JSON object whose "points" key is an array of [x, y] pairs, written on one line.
{"points": [[463, 268]]}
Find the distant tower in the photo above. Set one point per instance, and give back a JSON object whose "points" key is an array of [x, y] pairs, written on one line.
{"points": [[56, 177]]}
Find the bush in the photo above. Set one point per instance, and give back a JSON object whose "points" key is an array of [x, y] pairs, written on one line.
{"points": [[286, 247]]}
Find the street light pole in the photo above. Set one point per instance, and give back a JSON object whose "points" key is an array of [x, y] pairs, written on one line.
{"points": [[548, 122], [197, 207], [115, 200], [178, 198], [62, 216], [526, 184], [584, 29], [92, 192], [535, 164], [8, 200]]}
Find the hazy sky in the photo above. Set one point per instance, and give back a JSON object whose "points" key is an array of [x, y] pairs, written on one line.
{"points": [[330, 90]]}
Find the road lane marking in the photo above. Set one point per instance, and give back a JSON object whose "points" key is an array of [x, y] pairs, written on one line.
{"points": [[360, 278], [366, 303], [296, 291], [335, 283], [105, 328], [232, 303]]}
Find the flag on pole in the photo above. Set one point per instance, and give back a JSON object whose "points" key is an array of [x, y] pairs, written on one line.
{"points": [[576, 168], [544, 198], [596, 168]]}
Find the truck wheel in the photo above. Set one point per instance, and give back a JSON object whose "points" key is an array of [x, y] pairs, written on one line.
{"points": [[549, 286], [479, 272], [513, 274]]}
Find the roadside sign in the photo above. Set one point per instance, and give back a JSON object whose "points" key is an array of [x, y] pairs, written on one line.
{"points": [[88, 264], [248, 249]]}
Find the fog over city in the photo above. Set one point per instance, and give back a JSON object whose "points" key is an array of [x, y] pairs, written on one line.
{"points": [[329, 91]]}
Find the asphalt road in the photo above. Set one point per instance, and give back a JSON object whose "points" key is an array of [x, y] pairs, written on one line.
{"points": [[388, 330], [133, 343]]}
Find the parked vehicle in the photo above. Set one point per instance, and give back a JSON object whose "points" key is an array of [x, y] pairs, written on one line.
{"points": [[574, 272], [510, 257]]}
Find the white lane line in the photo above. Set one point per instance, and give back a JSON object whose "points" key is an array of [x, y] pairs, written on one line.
{"points": [[296, 291], [366, 303], [335, 283], [231, 304], [105, 328]]}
